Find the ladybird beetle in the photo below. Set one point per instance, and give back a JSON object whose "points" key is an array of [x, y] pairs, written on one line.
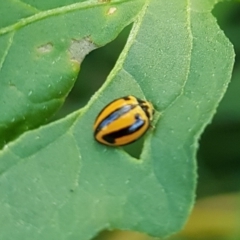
{"points": [[123, 121]]}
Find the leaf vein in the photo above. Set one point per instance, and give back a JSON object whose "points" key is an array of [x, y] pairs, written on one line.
{"points": [[188, 11], [10, 41], [56, 11]]}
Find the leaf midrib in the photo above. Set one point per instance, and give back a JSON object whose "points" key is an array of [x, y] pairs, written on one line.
{"points": [[57, 11]]}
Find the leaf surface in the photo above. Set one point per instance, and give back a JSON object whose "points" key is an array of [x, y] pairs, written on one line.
{"points": [[41, 53], [58, 183]]}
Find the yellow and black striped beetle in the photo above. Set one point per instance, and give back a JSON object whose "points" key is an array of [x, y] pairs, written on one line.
{"points": [[123, 121]]}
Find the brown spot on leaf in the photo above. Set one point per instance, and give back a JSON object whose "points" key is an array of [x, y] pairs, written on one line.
{"points": [[46, 48], [111, 10], [80, 48]]}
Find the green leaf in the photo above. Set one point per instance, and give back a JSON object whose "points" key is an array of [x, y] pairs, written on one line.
{"points": [[40, 57], [56, 181]]}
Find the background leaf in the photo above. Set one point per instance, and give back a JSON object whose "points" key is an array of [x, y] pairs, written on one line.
{"points": [[56, 182]]}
